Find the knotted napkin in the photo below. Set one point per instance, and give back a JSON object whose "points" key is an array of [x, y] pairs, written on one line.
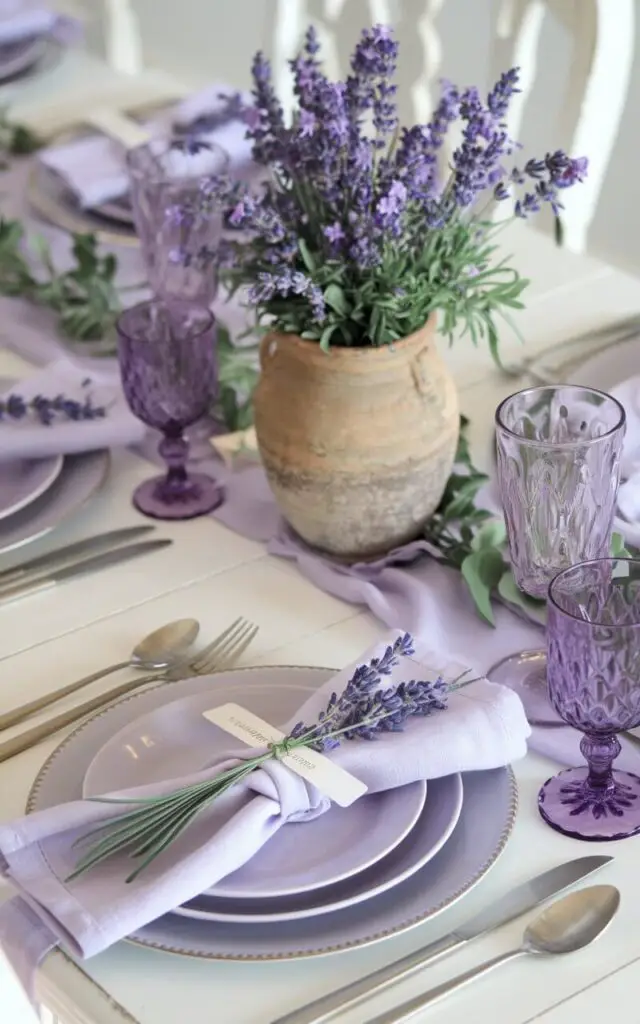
{"points": [[29, 438], [483, 727]]}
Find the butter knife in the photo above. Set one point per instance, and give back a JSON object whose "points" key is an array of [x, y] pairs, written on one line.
{"points": [[82, 568], [71, 553], [524, 897]]}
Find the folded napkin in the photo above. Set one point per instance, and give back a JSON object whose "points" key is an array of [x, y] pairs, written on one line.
{"points": [[94, 168], [19, 20], [483, 727], [27, 437]]}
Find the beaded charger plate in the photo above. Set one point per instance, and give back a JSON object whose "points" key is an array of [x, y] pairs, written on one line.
{"points": [[481, 835]]}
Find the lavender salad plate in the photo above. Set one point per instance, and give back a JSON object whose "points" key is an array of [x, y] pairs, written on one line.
{"points": [[481, 835], [175, 739], [80, 478], [432, 830], [24, 480]]}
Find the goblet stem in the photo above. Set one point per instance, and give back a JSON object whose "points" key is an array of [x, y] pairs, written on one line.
{"points": [[600, 752], [174, 449]]}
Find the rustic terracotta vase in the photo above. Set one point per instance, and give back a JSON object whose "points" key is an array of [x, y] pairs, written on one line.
{"points": [[357, 443]]}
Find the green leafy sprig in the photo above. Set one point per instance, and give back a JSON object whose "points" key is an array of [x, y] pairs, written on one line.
{"points": [[15, 139], [237, 377], [84, 298]]}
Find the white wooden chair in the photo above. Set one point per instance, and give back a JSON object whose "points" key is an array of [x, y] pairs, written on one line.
{"points": [[589, 113]]}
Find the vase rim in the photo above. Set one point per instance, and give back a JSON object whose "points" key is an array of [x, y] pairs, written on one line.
{"points": [[424, 333]]}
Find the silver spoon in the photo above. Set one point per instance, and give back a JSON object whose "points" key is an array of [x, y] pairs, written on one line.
{"points": [[566, 926], [159, 649]]}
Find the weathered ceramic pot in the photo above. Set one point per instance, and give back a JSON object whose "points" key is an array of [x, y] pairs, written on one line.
{"points": [[357, 443]]}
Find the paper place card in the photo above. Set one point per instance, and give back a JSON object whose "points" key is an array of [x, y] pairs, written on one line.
{"points": [[330, 779]]}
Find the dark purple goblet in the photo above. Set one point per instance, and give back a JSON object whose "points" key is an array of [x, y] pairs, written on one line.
{"points": [[593, 672], [167, 359]]}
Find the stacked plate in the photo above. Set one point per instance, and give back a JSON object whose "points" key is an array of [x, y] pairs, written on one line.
{"points": [[347, 878], [36, 495]]}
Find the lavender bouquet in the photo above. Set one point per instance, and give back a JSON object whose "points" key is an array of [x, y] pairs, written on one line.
{"points": [[358, 237], [362, 711]]}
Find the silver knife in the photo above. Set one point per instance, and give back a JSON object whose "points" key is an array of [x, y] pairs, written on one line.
{"points": [[62, 556], [87, 565], [515, 903]]}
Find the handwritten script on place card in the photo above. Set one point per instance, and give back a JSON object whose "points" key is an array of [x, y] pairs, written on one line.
{"points": [[330, 778]]}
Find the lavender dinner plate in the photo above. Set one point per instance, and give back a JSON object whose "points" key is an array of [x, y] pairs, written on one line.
{"points": [[427, 837], [24, 480], [80, 478], [175, 739], [483, 829]]}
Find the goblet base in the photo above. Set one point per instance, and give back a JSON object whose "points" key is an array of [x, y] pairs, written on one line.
{"points": [[526, 675], [571, 806], [199, 494]]}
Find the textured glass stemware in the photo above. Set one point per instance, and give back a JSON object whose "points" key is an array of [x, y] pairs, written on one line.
{"points": [[593, 671], [558, 457], [167, 362], [179, 232]]}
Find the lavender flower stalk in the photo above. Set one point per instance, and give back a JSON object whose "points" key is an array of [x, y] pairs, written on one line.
{"points": [[363, 711], [47, 411], [358, 237]]}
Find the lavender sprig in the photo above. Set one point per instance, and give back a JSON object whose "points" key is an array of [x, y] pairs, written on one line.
{"points": [[358, 237], [364, 711], [47, 411]]}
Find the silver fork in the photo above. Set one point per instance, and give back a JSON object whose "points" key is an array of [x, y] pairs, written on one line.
{"points": [[220, 654]]}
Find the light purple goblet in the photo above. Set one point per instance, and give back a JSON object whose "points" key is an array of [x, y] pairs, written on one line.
{"points": [[558, 456], [167, 357], [177, 219], [593, 672]]}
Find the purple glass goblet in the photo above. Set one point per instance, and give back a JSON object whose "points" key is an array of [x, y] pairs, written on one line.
{"points": [[558, 456], [177, 219], [593, 672], [167, 357]]}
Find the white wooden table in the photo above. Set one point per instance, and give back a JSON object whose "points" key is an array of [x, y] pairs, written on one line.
{"points": [[216, 575]]}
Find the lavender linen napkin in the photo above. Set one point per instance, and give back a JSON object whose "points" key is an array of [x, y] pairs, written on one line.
{"points": [[27, 437], [483, 727], [20, 20], [94, 167]]}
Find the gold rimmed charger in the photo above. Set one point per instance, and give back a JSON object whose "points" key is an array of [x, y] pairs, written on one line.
{"points": [[484, 828]]}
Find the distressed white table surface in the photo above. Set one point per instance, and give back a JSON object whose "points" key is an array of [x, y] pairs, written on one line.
{"points": [[215, 575]]}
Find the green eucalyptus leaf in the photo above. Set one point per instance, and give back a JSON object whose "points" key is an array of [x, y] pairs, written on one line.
{"points": [[618, 547], [481, 571], [512, 595], [492, 535]]}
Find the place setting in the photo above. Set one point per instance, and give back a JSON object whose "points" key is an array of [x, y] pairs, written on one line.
{"points": [[214, 808], [31, 38], [95, 178], [56, 430]]}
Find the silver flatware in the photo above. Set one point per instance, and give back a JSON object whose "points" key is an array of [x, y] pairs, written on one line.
{"points": [[220, 654], [566, 926], [521, 899], [158, 650], [71, 552], [95, 563], [548, 366]]}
